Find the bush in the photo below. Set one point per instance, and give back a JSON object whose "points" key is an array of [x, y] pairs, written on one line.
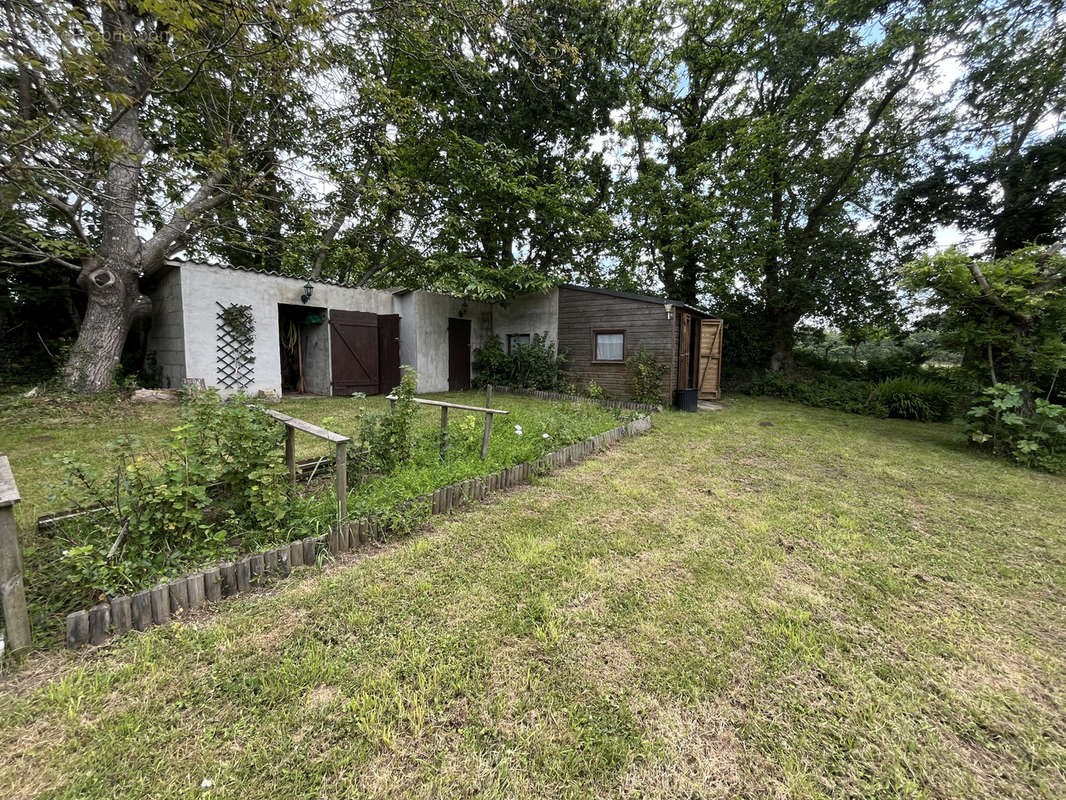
{"points": [[596, 392], [915, 398], [647, 373], [385, 440], [220, 471], [905, 398], [997, 423], [823, 391], [532, 366]]}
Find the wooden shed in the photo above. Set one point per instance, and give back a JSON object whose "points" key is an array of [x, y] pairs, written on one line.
{"points": [[599, 329]]}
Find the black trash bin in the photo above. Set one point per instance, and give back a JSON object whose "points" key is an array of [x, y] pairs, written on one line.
{"points": [[688, 399]]}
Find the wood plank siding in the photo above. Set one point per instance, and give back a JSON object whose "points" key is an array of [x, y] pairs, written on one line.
{"points": [[581, 313]]}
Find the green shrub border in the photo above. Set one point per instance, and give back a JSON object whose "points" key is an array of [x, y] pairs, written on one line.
{"points": [[158, 605]]}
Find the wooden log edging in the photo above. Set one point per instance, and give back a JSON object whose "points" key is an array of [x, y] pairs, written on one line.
{"points": [[627, 405], [176, 598]]}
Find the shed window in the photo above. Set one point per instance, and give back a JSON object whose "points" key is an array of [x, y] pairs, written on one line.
{"points": [[516, 340], [609, 345]]}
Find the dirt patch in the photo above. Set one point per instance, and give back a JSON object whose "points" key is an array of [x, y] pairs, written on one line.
{"points": [[323, 696], [698, 754]]}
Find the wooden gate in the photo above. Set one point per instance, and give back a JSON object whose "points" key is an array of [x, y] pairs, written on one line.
{"points": [[389, 351], [354, 342], [458, 354], [710, 359]]}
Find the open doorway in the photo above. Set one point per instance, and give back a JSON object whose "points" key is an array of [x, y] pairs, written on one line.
{"points": [[304, 338]]}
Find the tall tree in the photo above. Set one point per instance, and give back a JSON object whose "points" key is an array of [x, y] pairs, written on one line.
{"points": [[1001, 176], [135, 121], [764, 137]]}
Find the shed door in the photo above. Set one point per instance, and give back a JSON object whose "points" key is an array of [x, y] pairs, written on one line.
{"points": [[458, 354], [354, 342], [684, 366], [389, 351], [711, 359]]}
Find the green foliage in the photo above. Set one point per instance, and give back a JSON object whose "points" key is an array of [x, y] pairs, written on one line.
{"points": [[596, 392], [823, 390], [647, 374], [997, 422], [914, 398], [385, 440], [532, 366], [1008, 315], [903, 397], [219, 472]]}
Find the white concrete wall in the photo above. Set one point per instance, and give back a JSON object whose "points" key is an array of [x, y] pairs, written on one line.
{"points": [[423, 322], [406, 305], [530, 314], [431, 336], [166, 337], [202, 286]]}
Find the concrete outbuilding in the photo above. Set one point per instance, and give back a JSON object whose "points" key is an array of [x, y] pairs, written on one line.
{"points": [[241, 329]]}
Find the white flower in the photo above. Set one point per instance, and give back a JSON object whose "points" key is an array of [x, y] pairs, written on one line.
{"points": [[207, 783], [517, 430], [545, 436]]}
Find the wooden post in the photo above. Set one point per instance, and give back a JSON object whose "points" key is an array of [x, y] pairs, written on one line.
{"points": [[486, 435], [342, 481], [443, 430], [290, 452], [12, 588]]}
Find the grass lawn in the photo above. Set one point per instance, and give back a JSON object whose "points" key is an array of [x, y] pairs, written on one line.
{"points": [[768, 601]]}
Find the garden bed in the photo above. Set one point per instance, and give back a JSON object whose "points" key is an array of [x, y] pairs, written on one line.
{"points": [[156, 606], [542, 427]]}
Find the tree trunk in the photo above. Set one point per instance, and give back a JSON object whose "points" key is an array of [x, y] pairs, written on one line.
{"points": [[114, 301], [783, 336], [111, 278]]}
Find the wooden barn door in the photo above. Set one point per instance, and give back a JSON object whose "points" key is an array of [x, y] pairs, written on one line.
{"points": [[458, 354], [710, 359], [684, 365], [354, 342], [389, 351]]}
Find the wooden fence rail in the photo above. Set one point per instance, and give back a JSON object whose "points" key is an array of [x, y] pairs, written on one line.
{"points": [[488, 412], [12, 588], [339, 440]]}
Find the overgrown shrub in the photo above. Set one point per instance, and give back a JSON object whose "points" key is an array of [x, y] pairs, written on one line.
{"points": [[596, 392], [915, 398], [997, 423], [823, 390], [647, 373], [905, 398], [385, 440], [220, 471], [532, 366]]}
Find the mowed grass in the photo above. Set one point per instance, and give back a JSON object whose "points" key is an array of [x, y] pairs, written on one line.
{"points": [[768, 601]]}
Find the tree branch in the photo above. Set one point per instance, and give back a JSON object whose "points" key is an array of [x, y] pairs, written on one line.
{"points": [[1017, 317], [155, 250]]}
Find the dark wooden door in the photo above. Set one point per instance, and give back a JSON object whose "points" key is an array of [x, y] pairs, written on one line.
{"points": [[684, 361], [458, 354], [354, 342], [388, 351]]}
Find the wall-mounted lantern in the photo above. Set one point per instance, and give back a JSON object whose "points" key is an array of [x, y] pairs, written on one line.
{"points": [[669, 310], [308, 288]]}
